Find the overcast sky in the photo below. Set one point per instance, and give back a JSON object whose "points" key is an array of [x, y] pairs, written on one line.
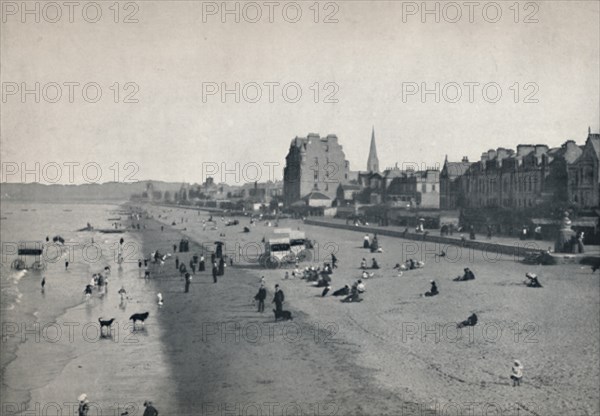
{"points": [[374, 53]]}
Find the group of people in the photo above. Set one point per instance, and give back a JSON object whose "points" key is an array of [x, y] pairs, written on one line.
{"points": [[84, 407], [372, 245]]}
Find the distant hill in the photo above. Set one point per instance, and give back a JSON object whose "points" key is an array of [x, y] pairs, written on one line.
{"points": [[111, 191]]}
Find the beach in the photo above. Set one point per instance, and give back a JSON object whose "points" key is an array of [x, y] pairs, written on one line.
{"points": [[209, 352]]}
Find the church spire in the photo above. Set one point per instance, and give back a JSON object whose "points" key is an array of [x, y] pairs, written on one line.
{"points": [[373, 161]]}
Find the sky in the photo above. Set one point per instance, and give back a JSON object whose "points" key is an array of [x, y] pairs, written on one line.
{"points": [[161, 114]]}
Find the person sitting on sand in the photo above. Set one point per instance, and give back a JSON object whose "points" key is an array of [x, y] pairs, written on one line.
{"points": [[342, 292], [516, 373], [470, 321], [533, 280], [354, 296], [363, 264], [411, 264], [374, 264], [433, 291], [468, 275], [123, 293], [366, 275], [150, 409], [325, 291], [88, 291]]}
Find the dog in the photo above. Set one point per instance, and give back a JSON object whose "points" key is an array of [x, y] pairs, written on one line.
{"points": [[285, 315], [106, 324], [139, 317]]}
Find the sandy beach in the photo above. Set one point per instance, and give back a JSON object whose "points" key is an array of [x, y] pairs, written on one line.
{"points": [[394, 353], [209, 352]]}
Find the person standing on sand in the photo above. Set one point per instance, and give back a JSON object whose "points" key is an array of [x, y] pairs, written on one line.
{"points": [[193, 266], [84, 405], [260, 297], [150, 409], [221, 266], [66, 264], [516, 373], [43, 283], [188, 281], [177, 262], [201, 265], [278, 299], [215, 272]]}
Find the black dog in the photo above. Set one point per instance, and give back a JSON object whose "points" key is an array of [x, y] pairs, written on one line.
{"points": [[105, 324], [139, 317], [285, 315]]}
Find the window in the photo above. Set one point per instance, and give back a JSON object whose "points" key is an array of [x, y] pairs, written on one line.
{"points": [[433, 188], [424, 188]]}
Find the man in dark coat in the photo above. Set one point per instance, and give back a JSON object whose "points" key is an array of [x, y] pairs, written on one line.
{"points": [[260, 297], [278, 299], [188, 281]]}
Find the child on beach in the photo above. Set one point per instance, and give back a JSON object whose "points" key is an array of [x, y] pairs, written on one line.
{"points": [[84, 406], [517, 373]]}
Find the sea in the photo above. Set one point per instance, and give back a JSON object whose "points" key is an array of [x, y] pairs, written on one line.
{"points": [[23, 301]]}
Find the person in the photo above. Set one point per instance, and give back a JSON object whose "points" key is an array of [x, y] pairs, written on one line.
{"points": [[363, 263], [374, 264], [433, 291], [357, 288], [174, 248], [489, 232], [537, 231], [201, 266], [375, 244], [333, 261], [472, 232], [88, 291], [139, 263], [287, 275], [193, 266], [524, 233], [325, 291], [580, 246], [260, 297], [123, 293], [516, 373], [177, 262], [162, 228], [366, 242], [84, 405], [159, 297], [215, 272], [342, 292], [66, 264], [533, 280], [468, 275], [221, 266], [278, 299], [188, 281], [150, 409], [43, 283], [470, 321]]}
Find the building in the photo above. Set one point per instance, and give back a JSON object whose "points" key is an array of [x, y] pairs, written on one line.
{"points": [[450, 182], [373, 160], [533, 176], [314, 163], [415, 189], [584, 174]]}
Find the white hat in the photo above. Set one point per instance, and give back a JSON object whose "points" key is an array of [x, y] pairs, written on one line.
{"points": [[82, 397], [531, 275]]}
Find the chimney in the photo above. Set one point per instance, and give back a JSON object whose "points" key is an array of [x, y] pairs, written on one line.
{"points": [[540, 149], [491, 154], [484, 156], [524, 149], [465, 159]]}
